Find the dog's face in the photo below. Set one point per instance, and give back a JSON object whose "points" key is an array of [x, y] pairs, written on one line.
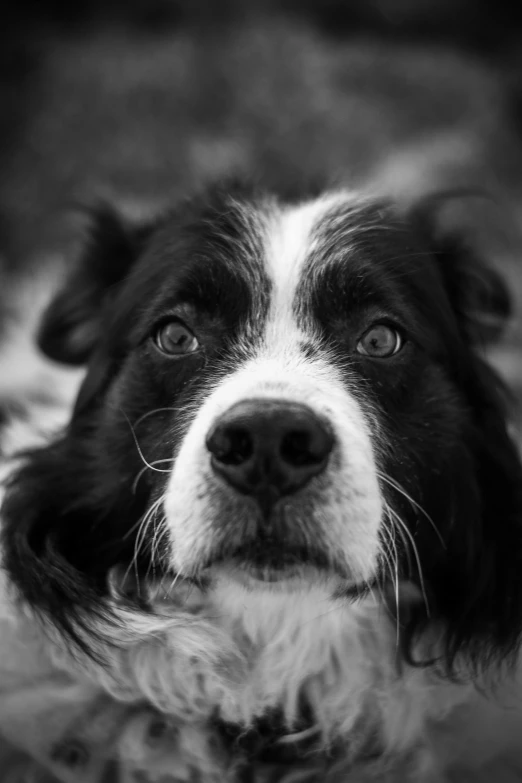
{"points": [[278, 396], [274, 480]]}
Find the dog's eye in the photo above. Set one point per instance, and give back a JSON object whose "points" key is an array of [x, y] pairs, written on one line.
{"points": [[380, 342], [175, 339]]}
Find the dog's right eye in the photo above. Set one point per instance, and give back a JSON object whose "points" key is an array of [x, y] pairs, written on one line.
{"points": [[175, 339]]}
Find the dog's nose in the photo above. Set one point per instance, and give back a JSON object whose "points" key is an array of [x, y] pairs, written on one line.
{"points": [[269, 448]]}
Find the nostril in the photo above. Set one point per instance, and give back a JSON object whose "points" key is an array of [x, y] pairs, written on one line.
{"points": [[240, 447], [231, 445], [296, 449], [302, 448]]}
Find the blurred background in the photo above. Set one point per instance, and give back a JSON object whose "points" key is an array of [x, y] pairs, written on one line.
{"points": [[480, 24], [140, 101]]}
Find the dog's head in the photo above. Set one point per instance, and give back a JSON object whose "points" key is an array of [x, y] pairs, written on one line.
{"points": [[278, 396]]}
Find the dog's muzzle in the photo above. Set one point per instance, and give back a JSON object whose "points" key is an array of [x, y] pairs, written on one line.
{"points": [[269, 448]]}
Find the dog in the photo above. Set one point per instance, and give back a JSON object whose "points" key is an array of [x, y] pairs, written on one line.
{"points": [[289, 462], [279, 536]]}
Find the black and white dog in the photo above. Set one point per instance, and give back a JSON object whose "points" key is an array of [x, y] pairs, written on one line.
{"points": [[287, 505]]}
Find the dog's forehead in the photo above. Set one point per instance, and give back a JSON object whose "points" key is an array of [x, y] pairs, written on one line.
{"points": [[342, 250], [254, 254], [302, 238]]}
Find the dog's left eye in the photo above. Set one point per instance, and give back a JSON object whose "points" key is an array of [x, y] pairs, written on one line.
{"points": [[380, 342], [175, 339]]}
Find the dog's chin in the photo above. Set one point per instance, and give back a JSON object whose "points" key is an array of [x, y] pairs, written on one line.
{"points": [[258, 566], [253, 576], [275, 569]]}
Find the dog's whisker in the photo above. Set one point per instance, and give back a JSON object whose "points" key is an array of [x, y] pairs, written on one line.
{"points": [[144, 470], [393, 566], [397, 602], [137, 479], [153, 412], [386, 558], [160, 532], [403, 526], [138, 447], [387, 540], [400, 489], [149, 518], [132, 529], [394, 576], [144, 523], [404, 540]]}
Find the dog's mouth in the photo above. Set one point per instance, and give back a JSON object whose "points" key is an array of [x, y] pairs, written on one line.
{"points": [[260, 562], [271, 563]]}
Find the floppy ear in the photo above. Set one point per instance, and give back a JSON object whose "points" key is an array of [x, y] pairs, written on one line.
{"points": [[479, 581], [477, 292], [70, 328], [56, 506]]}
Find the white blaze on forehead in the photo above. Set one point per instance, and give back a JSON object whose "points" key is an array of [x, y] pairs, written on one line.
{"points": [[290, 241]]}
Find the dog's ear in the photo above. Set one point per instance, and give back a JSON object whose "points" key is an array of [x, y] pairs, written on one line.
{"points": [[464, 229], [478, 293], [481, 578], [70, 327], [478, 581]]}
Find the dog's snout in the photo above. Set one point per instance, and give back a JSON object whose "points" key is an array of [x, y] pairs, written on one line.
{"points": [[269, 448]]}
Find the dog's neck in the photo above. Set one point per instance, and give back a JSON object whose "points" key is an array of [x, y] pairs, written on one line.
{"points": [[274, 652], [299, 646]]}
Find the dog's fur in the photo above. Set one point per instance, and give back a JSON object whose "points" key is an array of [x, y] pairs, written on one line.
{"points": [[135, 561], [279, 294]]}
